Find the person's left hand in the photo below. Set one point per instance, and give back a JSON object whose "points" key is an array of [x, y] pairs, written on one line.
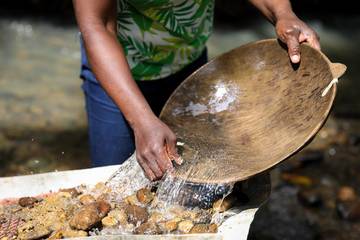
{"points": [[292, 31]]}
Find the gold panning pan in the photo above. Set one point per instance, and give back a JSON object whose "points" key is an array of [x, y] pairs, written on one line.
{"points": [[248, 109]]}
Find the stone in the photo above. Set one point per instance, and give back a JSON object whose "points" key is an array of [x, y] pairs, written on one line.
{"points": [[170, 225], [73, 191], [103, 207], [132, 200], [74, 234], [346, 193], [119, 215], [225, 204], [204, 228], [185, 226], [27, 201], [86, 199], [103, 197], [136, 214], [144, 196], [148, 228], [89, 215], [109, 221], [156, 217]]}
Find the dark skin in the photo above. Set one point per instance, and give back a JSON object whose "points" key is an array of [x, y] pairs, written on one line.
{"points": [[155, 142]]}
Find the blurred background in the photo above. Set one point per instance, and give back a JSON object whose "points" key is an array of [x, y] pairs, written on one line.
{"points": [[43, 124]]}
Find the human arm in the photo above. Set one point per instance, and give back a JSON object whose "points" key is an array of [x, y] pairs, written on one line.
{"points": [[289, 28], [155, 142]]}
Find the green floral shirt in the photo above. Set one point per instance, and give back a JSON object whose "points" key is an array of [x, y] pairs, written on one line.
{"points": [[160, 37]]}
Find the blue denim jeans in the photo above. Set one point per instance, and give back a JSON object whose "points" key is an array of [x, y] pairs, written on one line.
{"points": [[110, 137]]}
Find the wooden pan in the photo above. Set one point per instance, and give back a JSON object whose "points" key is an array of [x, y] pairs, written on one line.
{"points": [[248, 109]]}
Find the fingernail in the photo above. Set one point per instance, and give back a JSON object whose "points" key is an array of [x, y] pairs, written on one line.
{"points": [[295, 58]]}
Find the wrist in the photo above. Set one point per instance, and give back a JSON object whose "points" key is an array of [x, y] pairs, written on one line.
{"points": [[281, 15], [141, 119]]}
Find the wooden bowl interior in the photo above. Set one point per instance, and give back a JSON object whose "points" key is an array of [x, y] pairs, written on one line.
{"points": [[247, 110]]}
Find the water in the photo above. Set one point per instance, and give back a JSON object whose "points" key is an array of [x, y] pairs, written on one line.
{"points": [[171, 190], [176, 191], [127, 179]]}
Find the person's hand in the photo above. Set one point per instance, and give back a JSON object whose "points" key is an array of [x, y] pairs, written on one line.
{"points": [[292, 31], [155, 147]]}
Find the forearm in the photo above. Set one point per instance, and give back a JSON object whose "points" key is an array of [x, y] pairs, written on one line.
{"points": [[110, 66], [274, 9]]}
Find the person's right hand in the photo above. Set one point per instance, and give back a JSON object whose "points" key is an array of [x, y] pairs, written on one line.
{"points": [[155, 147]]}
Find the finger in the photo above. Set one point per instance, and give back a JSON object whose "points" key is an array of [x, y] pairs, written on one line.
{"points": [[292, 41], [164, 161], [171, 149], [153, 165], [155, 168], [148, 172], [314, 41], [173, 156], [312, 38]]}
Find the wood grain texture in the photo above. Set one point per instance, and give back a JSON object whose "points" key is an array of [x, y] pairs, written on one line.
{"points": [[249, 109]]}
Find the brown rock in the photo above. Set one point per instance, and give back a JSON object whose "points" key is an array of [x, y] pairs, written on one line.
{"points": [[64, 195], [144, 196], [148, 228], [132, 200], [346, 194], [73, 191], [225, 204], [185, 226], [86, 199], [101, 187], [156, 217], [181, 212], [204, 228], [192, 215], [85, 218], [213, 228], [103, 207], [119, 215], [27, 201], [103, 197], [199, 228], [169, 226], [136, 214], [109, 221], [89, 215], [73, 233]]}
